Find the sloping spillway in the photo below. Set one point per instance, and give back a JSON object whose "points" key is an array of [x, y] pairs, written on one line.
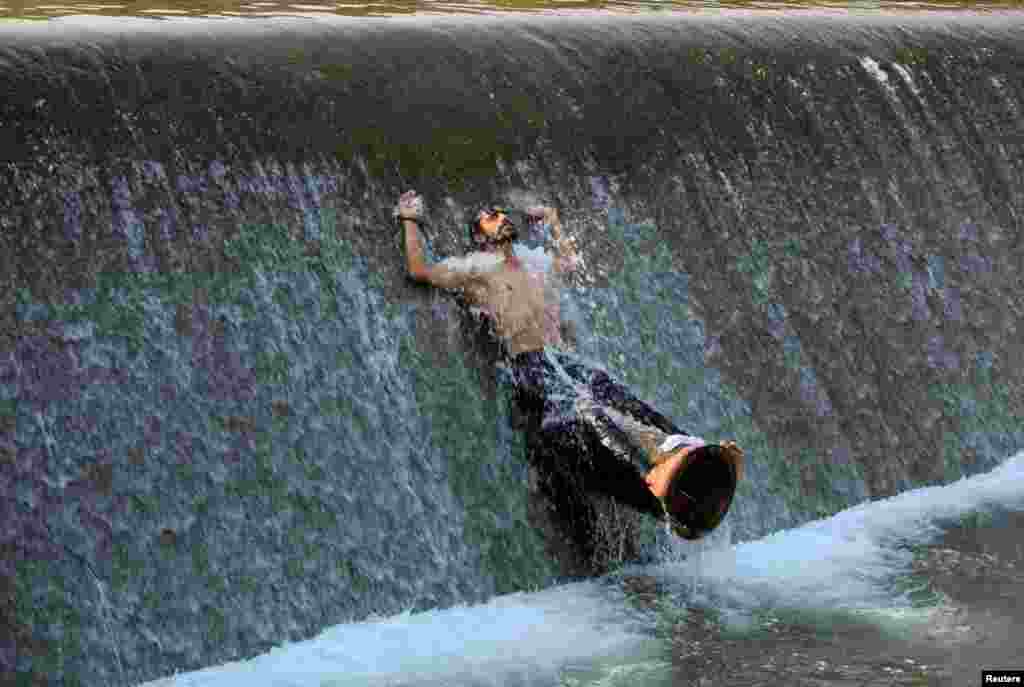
{"points": [[228, 419]]}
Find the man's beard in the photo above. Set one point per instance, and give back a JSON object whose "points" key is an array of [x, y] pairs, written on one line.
{"points": [[506, 233]]}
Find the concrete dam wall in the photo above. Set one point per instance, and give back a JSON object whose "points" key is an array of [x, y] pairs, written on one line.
{"points": [[228, 419]]}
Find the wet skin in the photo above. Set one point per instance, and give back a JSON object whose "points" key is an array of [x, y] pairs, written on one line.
{"points": [[523, 304]]}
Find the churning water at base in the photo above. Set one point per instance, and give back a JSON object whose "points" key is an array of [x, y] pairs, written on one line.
{"points": [[840, 601]]}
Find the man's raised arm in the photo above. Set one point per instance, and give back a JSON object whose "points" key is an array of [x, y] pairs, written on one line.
{"points": [[566, 258], [410, 210]]}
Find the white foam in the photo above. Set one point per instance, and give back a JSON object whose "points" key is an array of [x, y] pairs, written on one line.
{"points": [[476, 262], [844, 561], [529, 634], [533, 259], [527, 638]]}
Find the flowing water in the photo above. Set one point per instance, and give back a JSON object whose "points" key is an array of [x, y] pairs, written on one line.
{"points": [[918, 589], [237, 443]]}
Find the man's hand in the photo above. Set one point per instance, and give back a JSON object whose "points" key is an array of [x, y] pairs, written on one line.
{"points": [[410, 206], [567, 259], [542, 212]]}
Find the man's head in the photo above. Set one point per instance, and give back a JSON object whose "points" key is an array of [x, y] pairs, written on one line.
{"points": [[700, 486], [491, 228]]}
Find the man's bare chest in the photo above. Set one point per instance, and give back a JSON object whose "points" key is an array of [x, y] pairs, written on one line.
{"points": [[511, 285]]}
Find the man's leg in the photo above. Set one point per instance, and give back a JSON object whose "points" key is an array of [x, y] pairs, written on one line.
{"points": [[644, 426], [579, 433], [618, 396]]}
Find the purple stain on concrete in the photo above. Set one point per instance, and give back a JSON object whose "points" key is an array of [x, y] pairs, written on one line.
{"points": [[808, 387], [860, 262], [841, 455], [103, 375], [968, 231], [81, 488], [245, 441], [30, 460], [225, 374], [79, 296], [121, 196], [293, 185], [777, 320], [58, 330], [903, 263], [230, 379], [439, 311], [168, 393], [184, 446], [46, 372], [83, 424], [9, 530], [312, 184], [167, 222], [154, 171], [49, 500], [34, 542], [975, 264], [810, 393], [261, 184], [151, 431], [712, 346], [184, 184], [247, 185], [901, 248], [951, 308], [331, 183], [200, 232], [8, 368], [128, 224], [97, 521], [72, 216], [939, 357], [919, 298], [599, 189], [8, 651], [298, 189], [217, 170]]}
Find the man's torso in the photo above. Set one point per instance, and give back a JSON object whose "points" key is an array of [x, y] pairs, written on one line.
{"points": [[523, 304]]}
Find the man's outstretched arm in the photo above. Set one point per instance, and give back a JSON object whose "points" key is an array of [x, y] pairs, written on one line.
{"points": [[410, 208]]}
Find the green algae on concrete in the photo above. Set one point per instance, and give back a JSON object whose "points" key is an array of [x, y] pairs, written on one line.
{"points": [[482, 474], [978, 408]]}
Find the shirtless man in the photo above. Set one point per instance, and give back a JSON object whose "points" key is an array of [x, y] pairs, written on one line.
{"points": [[684, 480]]}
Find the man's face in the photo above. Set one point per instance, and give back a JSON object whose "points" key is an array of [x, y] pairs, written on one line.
{"points": [[490, 222]]}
